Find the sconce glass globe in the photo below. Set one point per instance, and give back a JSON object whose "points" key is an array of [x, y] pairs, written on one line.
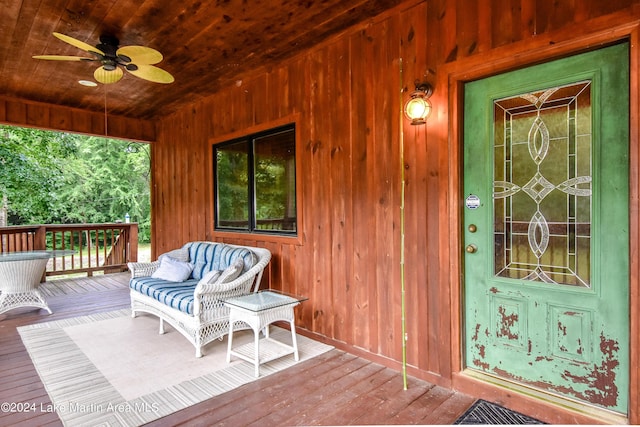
{"points": [[418, 108]]}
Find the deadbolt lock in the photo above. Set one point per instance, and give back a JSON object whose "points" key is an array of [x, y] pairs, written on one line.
{"points": [[471, 248], [472, 228]]}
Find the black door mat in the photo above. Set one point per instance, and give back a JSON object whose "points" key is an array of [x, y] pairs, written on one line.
{"points": [[483, 412]]}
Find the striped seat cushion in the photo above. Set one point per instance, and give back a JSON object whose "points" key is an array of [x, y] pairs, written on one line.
{"points": [[176, 295], [208, 256]]}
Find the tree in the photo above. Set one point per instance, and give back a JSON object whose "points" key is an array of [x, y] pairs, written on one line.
{"points": [[53, 177], [109, 178], [31, 163]]}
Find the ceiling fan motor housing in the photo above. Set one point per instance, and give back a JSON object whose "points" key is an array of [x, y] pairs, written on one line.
{"points": [[111, 59]]}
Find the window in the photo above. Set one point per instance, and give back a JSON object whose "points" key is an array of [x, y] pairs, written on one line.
{"points": [[255, 182]]}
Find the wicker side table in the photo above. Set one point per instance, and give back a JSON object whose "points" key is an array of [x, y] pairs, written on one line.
{"points": [[20, 275], [259, 310]]}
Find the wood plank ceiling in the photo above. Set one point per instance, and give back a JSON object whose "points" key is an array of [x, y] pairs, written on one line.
{"points": [[207, 45]]}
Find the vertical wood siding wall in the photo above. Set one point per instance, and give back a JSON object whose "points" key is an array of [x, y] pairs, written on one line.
{"points": [[346, 96]]}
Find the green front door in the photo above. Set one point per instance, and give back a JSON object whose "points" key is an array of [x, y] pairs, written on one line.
{"points": [[546, 227]]}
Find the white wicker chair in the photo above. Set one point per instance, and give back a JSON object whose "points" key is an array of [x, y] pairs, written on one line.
{"points": [[210, 318]]}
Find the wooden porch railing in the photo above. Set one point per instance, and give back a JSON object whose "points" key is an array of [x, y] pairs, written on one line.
{"points": [[98, 247]]}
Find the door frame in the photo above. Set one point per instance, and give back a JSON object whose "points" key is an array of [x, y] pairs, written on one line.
{"points": [[451, 79]]}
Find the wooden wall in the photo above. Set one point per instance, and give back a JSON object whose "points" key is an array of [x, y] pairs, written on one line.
{"points": [[345, 97], [46, 116]]}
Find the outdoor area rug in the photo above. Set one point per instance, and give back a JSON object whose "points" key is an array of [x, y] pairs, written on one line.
{"points": [[112, 369], [483, 412]]}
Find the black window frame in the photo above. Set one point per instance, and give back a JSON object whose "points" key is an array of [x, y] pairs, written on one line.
{"points": [[249, 141]]}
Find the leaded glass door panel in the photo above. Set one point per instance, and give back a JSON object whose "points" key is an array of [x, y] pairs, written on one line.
{"points": [[546, 227], [542, 185]]}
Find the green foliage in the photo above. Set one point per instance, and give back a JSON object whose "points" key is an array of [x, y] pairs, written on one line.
{"points": [[271, 188], [31, 172], [52, 177], [233, 191]]}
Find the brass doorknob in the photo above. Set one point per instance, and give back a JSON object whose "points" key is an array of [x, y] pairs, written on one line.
{"points": [[471, 248], [472, 228]]}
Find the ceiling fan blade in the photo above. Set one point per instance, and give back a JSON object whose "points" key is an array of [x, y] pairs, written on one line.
{"points": [[152, 73], [140, 54], [79, 44], [62, 58], [108, 76]]}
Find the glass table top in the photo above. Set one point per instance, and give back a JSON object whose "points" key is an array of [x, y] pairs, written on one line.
{"points": [[264, 300], [31, 255]]}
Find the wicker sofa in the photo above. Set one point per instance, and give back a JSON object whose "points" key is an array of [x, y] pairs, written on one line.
{"points": [[193, 306]]}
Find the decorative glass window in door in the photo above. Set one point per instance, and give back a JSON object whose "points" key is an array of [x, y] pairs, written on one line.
{"points": [[542, 185]]}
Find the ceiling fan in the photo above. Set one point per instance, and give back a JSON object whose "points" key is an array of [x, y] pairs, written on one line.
{"points": [[137, 60]]}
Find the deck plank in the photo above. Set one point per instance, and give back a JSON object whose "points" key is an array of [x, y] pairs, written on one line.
{"points": [[335, 388]]}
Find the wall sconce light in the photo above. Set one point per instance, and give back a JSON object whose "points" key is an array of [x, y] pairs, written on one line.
{"points": [[418, 108]]}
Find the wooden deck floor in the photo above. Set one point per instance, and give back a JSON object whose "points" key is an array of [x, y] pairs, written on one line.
{"points": [[348, 390]]}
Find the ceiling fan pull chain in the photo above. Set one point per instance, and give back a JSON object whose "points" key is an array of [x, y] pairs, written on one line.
{"points": [[106, 132]]}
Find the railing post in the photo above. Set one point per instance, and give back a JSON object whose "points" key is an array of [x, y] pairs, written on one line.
{"points": [[40, 243], [133, 243], [40, 238]]}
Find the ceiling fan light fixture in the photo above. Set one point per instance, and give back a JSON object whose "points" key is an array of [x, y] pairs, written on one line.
{"points": [[131, 67], [106, 77]]}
